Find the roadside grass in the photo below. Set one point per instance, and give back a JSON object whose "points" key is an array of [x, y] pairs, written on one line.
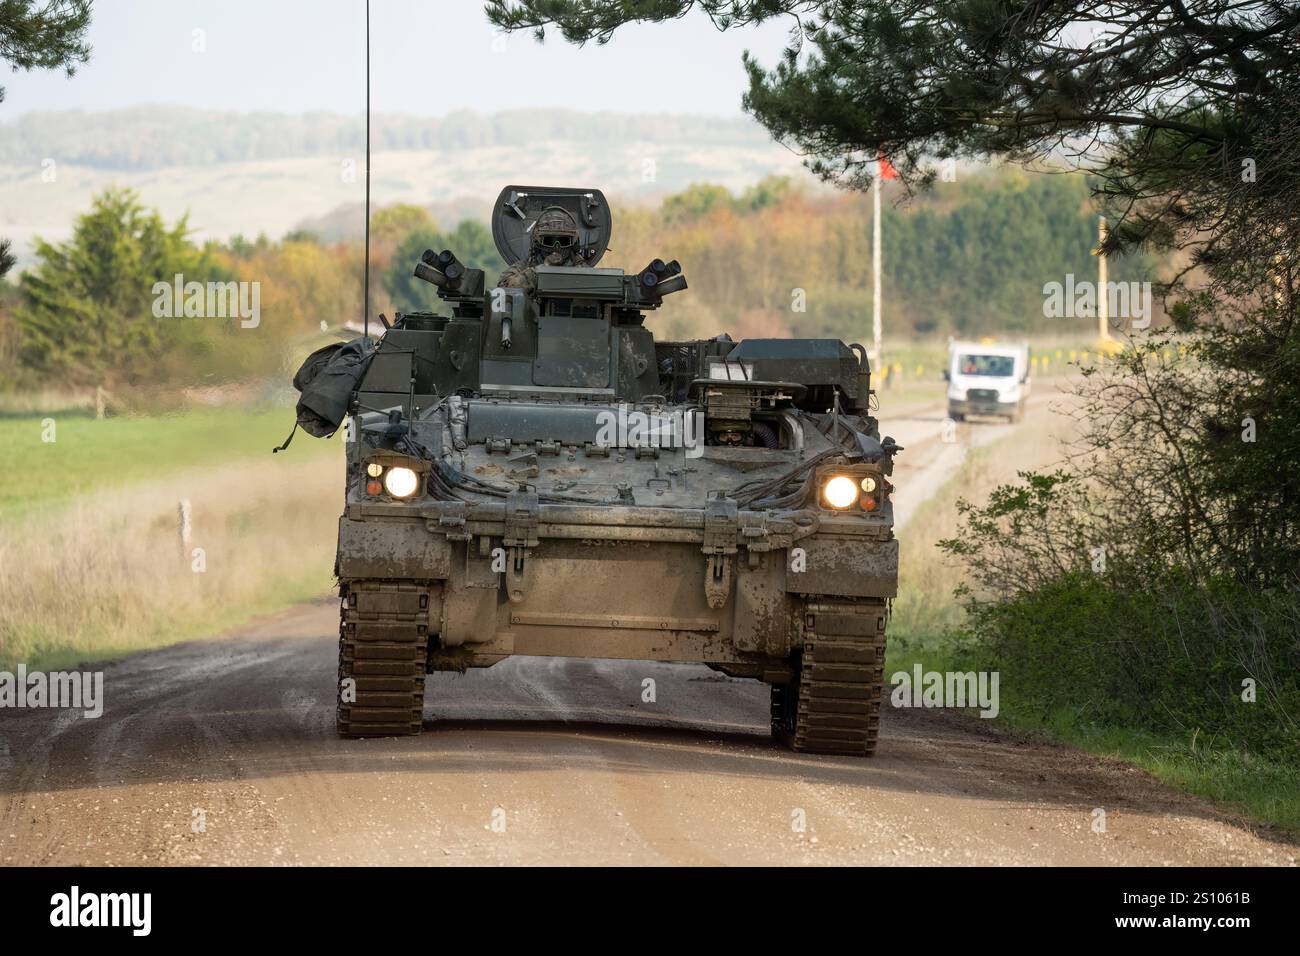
{"points": [[924, 629], [925, 609], [904, 398], [26, 399], [1266, 790], [96, 575], [88, 455]]}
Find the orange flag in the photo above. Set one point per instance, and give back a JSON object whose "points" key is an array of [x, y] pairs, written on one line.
{"points": [[887, 170]]}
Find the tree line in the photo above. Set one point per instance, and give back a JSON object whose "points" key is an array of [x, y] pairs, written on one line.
{"points": [[769, 260]]}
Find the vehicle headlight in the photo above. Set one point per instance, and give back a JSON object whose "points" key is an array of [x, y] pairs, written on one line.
{"points": [[840, 491], [401, 482], [868, 484]]}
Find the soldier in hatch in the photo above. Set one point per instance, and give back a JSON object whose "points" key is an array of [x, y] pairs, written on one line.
{"points": [[553, 242]]}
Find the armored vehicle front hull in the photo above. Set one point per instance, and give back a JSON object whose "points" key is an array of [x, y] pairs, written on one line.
{"points": [[799, 602]]}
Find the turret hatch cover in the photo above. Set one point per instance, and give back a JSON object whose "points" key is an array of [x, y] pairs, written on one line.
{"points": [[518, 208]]}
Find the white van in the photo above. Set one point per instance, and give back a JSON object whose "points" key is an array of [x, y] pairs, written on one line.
{"points": [[986, 379]]}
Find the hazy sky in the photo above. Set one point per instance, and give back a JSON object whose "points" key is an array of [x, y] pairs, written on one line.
{"points": [[428, 58]]}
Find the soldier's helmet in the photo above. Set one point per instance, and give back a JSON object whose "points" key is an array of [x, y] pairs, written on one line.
{"points": [[555, 231]]}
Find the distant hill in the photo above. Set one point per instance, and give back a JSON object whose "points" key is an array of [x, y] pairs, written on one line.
{"points": [[158, 137], [264, 172]]}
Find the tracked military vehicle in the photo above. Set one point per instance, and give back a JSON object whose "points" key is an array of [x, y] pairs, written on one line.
{"points": [[530, 472]]}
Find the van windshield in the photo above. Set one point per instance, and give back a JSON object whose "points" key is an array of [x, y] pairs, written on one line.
{"points": [[998, 366]]}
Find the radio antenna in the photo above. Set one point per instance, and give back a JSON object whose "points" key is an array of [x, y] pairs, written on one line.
{"points": [[365, 295]]}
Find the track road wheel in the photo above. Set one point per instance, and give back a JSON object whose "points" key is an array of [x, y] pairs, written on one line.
{"points": [[833, 704], [383, 641]]}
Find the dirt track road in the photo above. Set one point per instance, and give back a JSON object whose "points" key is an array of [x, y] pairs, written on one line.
{"points": [[934, 449], [548, 761], [566, 754]]}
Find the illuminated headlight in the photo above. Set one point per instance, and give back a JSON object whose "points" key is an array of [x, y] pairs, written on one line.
{"points": [[374, 469], [868, 484], [401, 482], [840, 491]]}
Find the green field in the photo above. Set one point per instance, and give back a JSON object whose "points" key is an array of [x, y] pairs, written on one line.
{"points": [[91, 562], [90, 455]]}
